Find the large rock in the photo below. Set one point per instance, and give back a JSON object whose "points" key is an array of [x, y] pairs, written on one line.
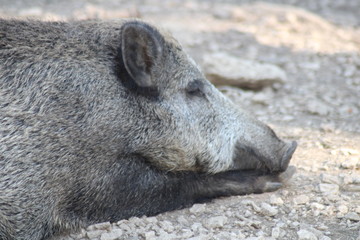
{"points": [[223, 69]]}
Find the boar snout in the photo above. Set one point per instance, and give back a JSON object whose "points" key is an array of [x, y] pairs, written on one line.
{"points": [[277, 160], [287, 155]]}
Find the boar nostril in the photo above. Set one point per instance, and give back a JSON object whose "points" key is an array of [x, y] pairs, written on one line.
{"points": [[287, 156]]}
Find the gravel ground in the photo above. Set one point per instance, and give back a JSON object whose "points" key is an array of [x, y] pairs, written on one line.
{"points": [[317, 45]]}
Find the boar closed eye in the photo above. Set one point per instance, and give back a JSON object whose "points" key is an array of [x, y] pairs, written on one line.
{"points": [[195, 88]]}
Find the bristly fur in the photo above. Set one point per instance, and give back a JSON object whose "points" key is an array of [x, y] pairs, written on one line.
{"points": [[101, 121]]}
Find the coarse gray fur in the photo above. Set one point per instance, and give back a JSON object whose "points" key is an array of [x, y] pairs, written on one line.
{"points": [[101, 121]]}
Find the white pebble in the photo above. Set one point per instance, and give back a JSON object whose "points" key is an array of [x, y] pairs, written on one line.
{"points": [[357, 210], [152, 220], [196, 227], [216, 222], [352, 188], [301, 199], [276, 200], [166, 226], [327, 188], [94, 233], [150, 235], [275, 232], [317, 206], [99, 226], [324, 238], [114, 234], [351, 163], [353, 216], [326, 178], [252, 204], [306, 235], [343, 209], [197, 208], [268, 210]]}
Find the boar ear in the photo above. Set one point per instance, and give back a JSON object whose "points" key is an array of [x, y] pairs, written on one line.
{"points": [[141, 47]]}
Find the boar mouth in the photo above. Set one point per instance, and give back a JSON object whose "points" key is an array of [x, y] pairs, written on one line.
{"points": [[249, 158]]}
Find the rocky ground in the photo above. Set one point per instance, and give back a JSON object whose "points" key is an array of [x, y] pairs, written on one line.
{"points": [[302, 77]]}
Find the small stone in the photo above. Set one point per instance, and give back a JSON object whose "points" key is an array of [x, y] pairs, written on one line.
{"points": [[356, 179], [66, 238], [329, 211], [349, 151], [247, 214], [181, 220], [333, 197], [94, 233], [216, 222], [137, 221], [166, 226], [353, 216], [275, 232], [301, 199], [281, 224], [317, 206], [99, 226], [166, 236], [268, 210], [240, 235], [295, 224], [284, 193], [197, 208], [276, 200], [196, 227], [229, 213], [348, 179], [326, 178], [317, 107], [186, 234], [151, 219], [260, 233], [324, 238], [200, 237], [315, 231], [323, 227], [343, 209], [223, 236], [327, 188], [306, 235], [357, 210], [316, 212], [113, 235], [124, 226], [351, 163], [327, 127], [252, 204], [150, 235]]}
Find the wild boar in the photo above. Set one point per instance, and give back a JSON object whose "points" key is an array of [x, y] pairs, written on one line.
{"points": [[101, 121]]}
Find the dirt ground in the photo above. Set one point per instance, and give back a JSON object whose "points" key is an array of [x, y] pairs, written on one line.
{"points": [[317, 44]]}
